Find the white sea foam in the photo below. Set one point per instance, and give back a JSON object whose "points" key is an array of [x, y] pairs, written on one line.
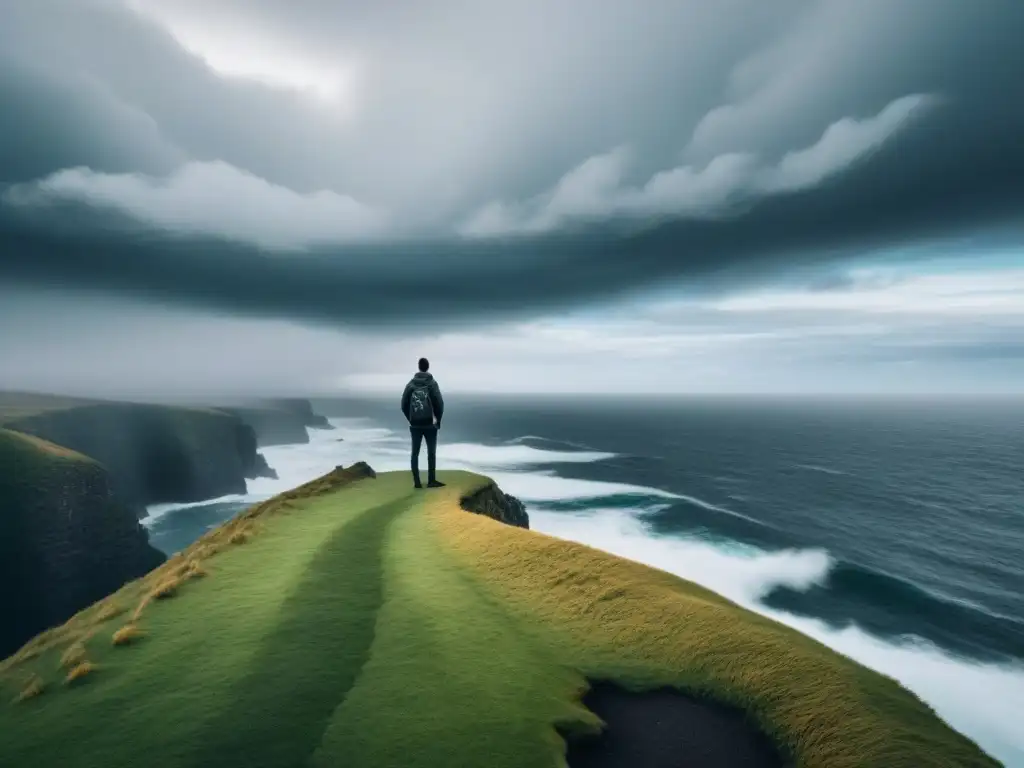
{"points": [[818, 468], [514, 455], [982, 701], [156, 511]]}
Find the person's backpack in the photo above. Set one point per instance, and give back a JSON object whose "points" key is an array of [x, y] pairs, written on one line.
{"points": [[421, 409]]}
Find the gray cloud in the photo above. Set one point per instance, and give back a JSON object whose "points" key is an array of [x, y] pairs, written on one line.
{"points": [[937, 332], [594, 190], [784, 122]]}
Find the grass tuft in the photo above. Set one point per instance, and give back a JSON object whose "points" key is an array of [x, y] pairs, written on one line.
{"points": [[34, 687], [73, 655], [128, 634], [137, 613], [239, 537], [80, 672], [167, 588], [110, 610]]}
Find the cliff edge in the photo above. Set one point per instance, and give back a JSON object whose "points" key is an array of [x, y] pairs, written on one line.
{"points": [[492, 502], [154, 453], [65, 541]]}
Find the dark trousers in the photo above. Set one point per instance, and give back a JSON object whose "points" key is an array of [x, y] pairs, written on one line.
{"points": [[418, 435]]}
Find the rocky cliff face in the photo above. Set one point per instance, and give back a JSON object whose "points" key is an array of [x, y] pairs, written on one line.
{"points": [[304, 410], [65, 540], [156, 454], [492, 502], [272, 426], [280, 422]]}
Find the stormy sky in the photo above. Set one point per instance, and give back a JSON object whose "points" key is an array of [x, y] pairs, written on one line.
{"points": [[583, 195]]}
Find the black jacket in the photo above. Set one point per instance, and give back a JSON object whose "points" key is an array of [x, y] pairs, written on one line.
{"points": [[419, 381]]}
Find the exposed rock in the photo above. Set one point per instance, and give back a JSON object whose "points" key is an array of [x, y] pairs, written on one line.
{"points": [[359, 469], [263, 469], [254, 463], [492, 502], [156, 454], [65, 540]]}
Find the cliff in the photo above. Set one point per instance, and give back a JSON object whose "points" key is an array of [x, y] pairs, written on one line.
{"points": [[492, 502], [271, 426], [65, 541], [154, 453], [304, 410], [279, 422]]}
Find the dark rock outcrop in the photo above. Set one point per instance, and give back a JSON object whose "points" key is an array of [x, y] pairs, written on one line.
{"points": [[359, 469], [65, 540], [492, 502], [262, 469], [254, 463], [154, 453]]}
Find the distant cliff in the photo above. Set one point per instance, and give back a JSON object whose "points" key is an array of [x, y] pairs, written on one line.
{"points": [[65, 540], [156, 454], [304, 410], [281, 421]]}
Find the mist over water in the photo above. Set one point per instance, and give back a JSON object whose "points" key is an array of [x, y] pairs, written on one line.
{"points": [[964, 657]]}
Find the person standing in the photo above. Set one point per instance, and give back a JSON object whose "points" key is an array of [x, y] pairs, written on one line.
{"points": [[423, 407]]}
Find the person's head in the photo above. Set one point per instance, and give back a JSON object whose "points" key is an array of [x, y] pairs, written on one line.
{"points": [[424, 364]]}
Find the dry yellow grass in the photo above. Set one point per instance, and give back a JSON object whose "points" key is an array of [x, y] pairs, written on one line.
{"points": [[33, 687], [74, 655], [190, 569], [239, 537], [167, 588], [51, 448], [137, 613], [647, 628], [109, 610], [79, 672], [164, 582], [25, 654], [126, 635]]}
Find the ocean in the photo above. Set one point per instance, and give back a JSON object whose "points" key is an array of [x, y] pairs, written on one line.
{"points": [[890, 530]]}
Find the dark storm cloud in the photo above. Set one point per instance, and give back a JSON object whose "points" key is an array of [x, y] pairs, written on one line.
{"points": [[457, 114]]}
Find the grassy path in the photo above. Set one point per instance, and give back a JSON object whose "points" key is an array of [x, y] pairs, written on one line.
{"points": [[452, 673], [310, 659]]}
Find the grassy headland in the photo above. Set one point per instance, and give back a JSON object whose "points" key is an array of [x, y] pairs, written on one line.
{"points": [[358, 622]]}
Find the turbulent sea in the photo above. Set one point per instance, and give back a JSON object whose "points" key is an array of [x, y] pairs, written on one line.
{"points": [[892, 531]]}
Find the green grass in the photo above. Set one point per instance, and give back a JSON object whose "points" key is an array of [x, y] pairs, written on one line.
{"points": [[16, 405], [21, 453], [367, 624]]}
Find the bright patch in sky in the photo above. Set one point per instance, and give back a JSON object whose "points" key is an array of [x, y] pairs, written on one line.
{"points": [[240, 53], [971, 293]]}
